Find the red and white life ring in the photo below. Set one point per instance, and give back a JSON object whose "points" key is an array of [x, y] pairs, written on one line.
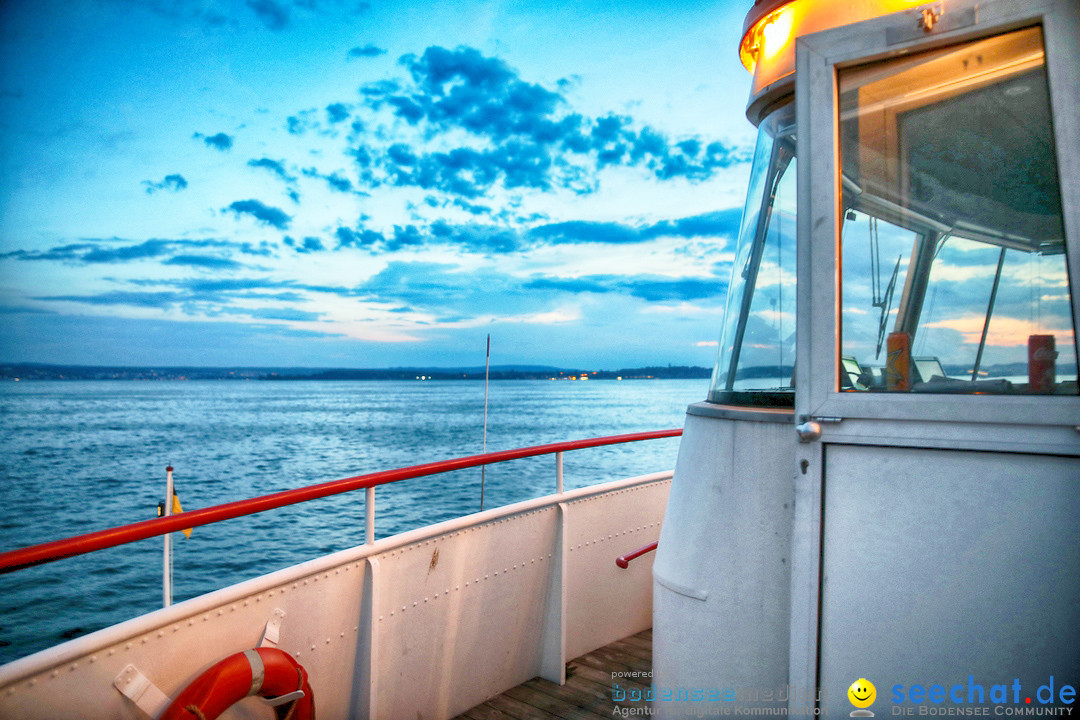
{"points": [[265, 671]]}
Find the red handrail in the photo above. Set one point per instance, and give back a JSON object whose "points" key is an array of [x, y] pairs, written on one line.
{"points": [[91, 542], [623, 561]]}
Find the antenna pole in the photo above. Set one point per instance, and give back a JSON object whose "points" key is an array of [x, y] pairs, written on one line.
{"points": [[487, 368]]}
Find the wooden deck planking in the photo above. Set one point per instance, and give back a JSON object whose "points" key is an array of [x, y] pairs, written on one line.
{"points": [[589, 690]]}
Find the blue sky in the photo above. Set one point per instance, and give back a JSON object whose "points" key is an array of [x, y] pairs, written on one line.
{"points": [[363, 184]]}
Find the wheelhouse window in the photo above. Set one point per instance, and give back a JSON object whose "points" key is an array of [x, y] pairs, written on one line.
{"points": [[756, 357], [954, 275]]}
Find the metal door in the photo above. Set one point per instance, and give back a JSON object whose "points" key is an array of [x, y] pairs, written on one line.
{"points": [[936, 546]]}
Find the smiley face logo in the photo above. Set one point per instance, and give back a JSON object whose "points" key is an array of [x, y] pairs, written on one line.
{"points": [[862, 694]]}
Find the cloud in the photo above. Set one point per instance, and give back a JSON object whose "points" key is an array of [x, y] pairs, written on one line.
{"points": [[368, 50], [265, 214], [577, 231], [147, 249], [100, 253], [470, 173], [275, 166], [204, 261], [175, 183], [651, 288], [718, 227], [457, 295], [336, 180], [158, 300], [337, 112], [73, 251], [308, 245], [360, 237], [449, 292], [721, 223], [533, 139], [220, 141], [295, 125], [273, 15]]}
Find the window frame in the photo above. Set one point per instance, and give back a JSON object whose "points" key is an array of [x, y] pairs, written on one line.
{"points": [[818, 58]]}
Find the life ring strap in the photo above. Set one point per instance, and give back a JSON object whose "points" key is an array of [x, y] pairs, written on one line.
{"points": [[258, 671]]}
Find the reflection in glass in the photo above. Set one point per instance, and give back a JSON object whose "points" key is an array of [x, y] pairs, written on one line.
{"points": [[757, 343], [952, 245]]}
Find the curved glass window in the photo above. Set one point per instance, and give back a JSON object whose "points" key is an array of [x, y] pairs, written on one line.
{"points": [[756, 358]]}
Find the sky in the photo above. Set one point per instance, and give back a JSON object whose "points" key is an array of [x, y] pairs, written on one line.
{"points": [[334, 183]]}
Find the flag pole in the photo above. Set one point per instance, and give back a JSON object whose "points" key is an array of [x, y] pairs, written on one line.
{"points": [[487, 368], [166, 574]]}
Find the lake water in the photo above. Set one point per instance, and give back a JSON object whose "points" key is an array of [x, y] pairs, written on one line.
{"points": [[79, 456]]}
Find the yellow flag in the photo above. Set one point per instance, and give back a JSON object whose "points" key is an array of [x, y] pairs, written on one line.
{"points": [[176, 510]]}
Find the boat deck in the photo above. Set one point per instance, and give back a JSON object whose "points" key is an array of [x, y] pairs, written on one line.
{"points": [[595, 688]]}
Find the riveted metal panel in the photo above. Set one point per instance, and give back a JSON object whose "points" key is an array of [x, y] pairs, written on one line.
{"points": [[461, 616], [605, 602], [171, 647]]}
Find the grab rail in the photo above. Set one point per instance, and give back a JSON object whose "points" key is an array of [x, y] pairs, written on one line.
{"points": [[102, 539], [623, 561]]}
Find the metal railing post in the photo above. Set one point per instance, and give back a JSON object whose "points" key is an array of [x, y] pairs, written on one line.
{"points": [[558, 473], [369, 515], [166, 572]]}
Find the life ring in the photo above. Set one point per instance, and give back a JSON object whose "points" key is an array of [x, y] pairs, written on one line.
{"points": [[265, 671]]}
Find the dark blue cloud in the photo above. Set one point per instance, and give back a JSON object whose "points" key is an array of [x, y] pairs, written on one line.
{"points": [[339, 182], [337, 112], [275, 166], [477, 238], [336, 180], [296, 125], [674, 289], [719, 228], [308, 245], [73, 251], [273, 15], [718, 224], [535, 141], [578, 231], [159, 300], [651, 288], [204, 261], [463, 88], [472, 208], [469, 173], [220, 141], [174, 182], [275, 217], [175, 252], [147, 249], [368, 50], [360, 238]]}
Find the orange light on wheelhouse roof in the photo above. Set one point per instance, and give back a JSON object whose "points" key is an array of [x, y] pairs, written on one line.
{"points": [[766, 37], [773, 33]]}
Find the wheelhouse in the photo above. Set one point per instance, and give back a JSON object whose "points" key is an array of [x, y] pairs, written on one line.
{"points": [[884, 482]]}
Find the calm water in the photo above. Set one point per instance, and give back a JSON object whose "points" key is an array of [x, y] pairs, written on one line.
{"points": [[82, 456]]}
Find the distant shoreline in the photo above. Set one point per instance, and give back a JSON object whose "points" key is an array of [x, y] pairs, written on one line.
{"points": [[43, 371]]}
